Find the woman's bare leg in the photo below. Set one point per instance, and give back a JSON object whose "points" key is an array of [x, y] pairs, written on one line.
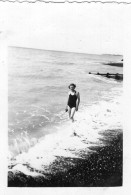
{"points": [[72, 113], [69, 111]]}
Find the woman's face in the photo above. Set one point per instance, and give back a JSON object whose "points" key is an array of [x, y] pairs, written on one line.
{"points": [[72, 87]]}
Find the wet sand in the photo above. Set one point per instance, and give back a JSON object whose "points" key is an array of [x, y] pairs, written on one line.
{"points": [[101, 168]]}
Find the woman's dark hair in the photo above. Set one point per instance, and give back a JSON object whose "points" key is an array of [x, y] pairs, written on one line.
{"points": [[72, 85]]}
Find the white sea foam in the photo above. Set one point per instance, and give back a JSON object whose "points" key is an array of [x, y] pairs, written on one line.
{"points": [[25, 170], [103, 79]]}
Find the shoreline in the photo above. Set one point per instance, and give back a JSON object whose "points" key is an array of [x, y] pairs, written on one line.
{"points": [[90, 157], [101, 168]]}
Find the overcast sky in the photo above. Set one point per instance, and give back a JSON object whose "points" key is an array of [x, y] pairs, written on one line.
{"points": [[88, 28]]}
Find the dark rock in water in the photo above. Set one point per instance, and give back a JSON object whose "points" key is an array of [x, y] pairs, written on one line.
{"points": [[118, 64], [74, 133]]}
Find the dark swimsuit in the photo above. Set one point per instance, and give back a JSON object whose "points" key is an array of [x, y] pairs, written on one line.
{"points": [[72, 100]]}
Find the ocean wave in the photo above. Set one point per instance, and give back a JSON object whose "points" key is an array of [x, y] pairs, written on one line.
{"points": [[103, 79]]}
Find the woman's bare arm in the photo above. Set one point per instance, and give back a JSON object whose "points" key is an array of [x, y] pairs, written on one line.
{"points": [[67, 103], [78, 101]]}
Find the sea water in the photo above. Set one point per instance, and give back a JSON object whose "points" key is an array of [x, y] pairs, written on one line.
{"points": [[38, 90]]}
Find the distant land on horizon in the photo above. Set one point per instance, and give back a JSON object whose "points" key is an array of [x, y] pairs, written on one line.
{"points": [[104, 54]]}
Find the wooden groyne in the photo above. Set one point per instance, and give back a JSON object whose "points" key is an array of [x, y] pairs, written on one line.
{"points": [[110, 75]]}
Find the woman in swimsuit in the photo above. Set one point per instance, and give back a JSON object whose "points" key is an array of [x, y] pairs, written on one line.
{"points": [[73, 101]]}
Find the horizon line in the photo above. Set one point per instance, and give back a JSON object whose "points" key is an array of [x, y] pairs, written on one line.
{"points": [[65, 51]]}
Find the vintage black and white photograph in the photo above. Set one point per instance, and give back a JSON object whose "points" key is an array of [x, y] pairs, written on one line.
{"points": [[65, 87]]}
